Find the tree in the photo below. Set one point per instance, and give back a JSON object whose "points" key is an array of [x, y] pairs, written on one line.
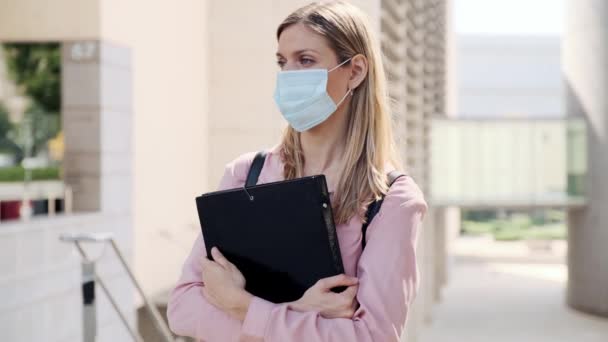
{"points": [[36, 68], [41, 127], [7, 145], [5, 123]]}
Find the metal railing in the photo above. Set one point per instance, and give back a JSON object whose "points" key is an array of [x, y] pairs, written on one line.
{"points": [[90, 278]]}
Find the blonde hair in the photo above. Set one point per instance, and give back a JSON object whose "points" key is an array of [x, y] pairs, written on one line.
{"points": [[370, 141]]}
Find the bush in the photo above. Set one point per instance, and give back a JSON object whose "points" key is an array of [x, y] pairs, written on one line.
{"points": [[520, 221], [519, 226], [17, 174], [508, 235], [479, 215], [477, 228], [546, 232]]}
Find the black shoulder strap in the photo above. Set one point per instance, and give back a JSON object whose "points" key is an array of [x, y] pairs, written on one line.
{"points": [[255, 169], [374, 207]]}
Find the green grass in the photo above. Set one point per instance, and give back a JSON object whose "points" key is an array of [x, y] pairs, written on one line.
{"points": [[17, 174], [555, 231], [477, 228], [516, 228]]}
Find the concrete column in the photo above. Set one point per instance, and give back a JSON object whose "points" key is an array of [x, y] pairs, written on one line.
{"points": [[394, 42], [425, 97], [97, 121], [585, 65], [440, 249]]}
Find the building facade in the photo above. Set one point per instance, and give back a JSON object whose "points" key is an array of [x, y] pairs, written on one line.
{"points": [[509, 76]]}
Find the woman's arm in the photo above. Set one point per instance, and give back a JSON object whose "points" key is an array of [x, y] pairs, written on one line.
{"points": [[189, 313], [388, 280]]}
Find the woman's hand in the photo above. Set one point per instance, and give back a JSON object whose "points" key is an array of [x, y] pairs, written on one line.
{"points": [[225, 285], [329, 304]]}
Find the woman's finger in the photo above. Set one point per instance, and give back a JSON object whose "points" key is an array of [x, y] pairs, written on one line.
{"points": [[351, 292], [219, 258], [349, 313], [338, 280], [208, 266]]}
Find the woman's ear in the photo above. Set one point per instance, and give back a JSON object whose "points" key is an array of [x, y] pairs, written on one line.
{"points": [[358, 71]]}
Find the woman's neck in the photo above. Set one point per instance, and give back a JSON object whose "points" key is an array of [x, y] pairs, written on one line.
{"points": [[324, 145]]}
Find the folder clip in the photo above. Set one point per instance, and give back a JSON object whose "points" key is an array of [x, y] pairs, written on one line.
{"points": [[247, 192]]}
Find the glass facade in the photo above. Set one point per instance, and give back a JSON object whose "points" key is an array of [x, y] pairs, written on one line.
{"points": [[576, 165], [511, 161]]}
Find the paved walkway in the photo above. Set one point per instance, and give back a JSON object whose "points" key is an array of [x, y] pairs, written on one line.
{"points": [[501, 298]]}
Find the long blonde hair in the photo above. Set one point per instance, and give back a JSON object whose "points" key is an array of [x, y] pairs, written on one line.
{"points": [[370, 141]]}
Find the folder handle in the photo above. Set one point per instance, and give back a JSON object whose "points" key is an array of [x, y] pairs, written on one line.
{"points": [[254, 172], [248, 194], [255, 169]]}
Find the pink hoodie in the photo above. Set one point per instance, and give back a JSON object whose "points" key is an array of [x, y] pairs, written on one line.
{"points": [[387, 272]]}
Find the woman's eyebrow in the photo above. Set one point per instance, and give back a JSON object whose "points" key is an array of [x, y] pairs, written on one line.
{"points": [[299, 52]]}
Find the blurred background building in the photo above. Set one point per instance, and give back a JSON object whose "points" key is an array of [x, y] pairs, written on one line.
{"points": [[509, 76], [114, 115], [517, 165]]}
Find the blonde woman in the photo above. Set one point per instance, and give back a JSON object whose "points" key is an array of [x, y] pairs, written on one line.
{"points": [[331, 89]]}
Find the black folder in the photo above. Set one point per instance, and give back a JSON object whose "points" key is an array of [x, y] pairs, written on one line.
{"points": [[280, 235]]}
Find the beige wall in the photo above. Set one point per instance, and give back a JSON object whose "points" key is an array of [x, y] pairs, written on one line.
{"points": [[242, 67], [35, 20], [169, 43], [171, 108]]}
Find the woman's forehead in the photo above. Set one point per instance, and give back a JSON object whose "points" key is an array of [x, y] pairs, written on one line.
{"points": [[298, 38]]}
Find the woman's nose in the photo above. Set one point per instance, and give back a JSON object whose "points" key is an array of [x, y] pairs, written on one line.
{"points": [[290, 66]]}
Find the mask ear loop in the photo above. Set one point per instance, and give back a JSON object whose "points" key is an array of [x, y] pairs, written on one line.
{"points": [[349, 92], [339, 65]]}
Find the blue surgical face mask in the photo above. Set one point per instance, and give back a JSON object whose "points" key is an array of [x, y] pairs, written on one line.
{"points": [[302, 97]]}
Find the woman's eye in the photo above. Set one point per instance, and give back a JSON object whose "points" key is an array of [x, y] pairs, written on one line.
{"points": [[281, 63], [306, 61]]}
